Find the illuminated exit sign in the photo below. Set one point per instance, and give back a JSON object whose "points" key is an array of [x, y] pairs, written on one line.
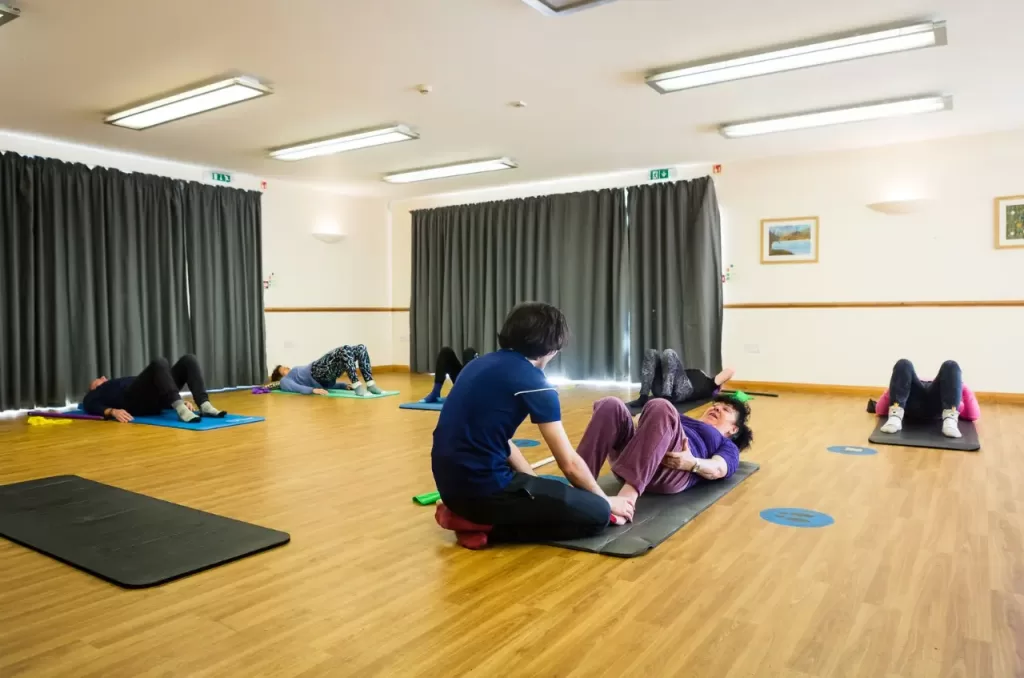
{"points": [[220, 177]]}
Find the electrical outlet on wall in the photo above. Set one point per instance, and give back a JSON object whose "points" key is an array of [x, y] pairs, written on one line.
{"points": [[751, 348]]}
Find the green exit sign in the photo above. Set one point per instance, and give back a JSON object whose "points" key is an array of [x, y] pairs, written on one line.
{"points": [[222, 177], [659, 174]]}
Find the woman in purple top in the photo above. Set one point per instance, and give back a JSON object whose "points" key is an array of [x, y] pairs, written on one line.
{"points": [[666, 452]]}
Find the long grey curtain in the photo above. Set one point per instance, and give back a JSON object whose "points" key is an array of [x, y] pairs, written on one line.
{"points": [[224, 251], [93, 272], [676, 272], [473, 263]]}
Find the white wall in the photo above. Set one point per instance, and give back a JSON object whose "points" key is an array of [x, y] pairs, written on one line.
{"points": [[307, 272], [945, 253]]}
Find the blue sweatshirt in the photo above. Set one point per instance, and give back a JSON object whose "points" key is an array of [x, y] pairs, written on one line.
{"points": [[300, 380], [108, 394]]}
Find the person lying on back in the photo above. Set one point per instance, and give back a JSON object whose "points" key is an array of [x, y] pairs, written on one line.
{"points": [[155, 389], [489, 491]]}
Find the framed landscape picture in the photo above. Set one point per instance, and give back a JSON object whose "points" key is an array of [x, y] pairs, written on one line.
{"points": [[1010, 221], [789, 241]]}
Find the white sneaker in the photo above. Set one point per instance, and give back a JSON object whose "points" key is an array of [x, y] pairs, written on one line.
{"points": [[949, 423], [895, 422]]}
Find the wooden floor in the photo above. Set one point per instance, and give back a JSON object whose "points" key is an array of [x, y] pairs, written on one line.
{"points": [[922, 573]]}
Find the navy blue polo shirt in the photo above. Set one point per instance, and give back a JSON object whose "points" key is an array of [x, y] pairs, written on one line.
{"points": [[490, 399]]}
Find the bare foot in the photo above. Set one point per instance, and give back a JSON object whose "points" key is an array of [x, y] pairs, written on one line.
{"points": [[629, 492], [724, 376]]}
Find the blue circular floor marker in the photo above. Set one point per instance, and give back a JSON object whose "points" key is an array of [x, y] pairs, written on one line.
{"points": [[852, 449], [524, 442], [797, 517]]}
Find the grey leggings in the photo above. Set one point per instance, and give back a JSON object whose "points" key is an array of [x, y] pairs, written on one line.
{"points": [[343, 360], [663, 376]]}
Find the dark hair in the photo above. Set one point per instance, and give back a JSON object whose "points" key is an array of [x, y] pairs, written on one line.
{"points": [[276, 374], [468, 353], [743, 436], [534, 329]]}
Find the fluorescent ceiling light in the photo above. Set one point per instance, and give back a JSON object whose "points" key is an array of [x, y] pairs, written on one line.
{"points": [[193, 101], [557, 7], [456, 170], [8, 13], [346, 142], [838, 116], [804, 55]]}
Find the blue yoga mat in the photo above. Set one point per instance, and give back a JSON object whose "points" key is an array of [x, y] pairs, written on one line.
{"points": [[169, 418], [433, 407]]}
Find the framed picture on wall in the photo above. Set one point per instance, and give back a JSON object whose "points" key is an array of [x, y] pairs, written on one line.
{"points": [[793, 240], [1010, 221]]}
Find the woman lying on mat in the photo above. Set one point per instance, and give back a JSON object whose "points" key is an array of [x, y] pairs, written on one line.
{"points": [[448, 366], [666, 452], [946, 398], [155, 389], [488, 489], [321, 375], [662, 375]]}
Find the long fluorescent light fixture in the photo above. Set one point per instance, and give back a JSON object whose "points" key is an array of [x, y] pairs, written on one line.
{"points": [[838, 116], [8, 13], [805, 55], [456, 170], [190, 102], [559, 7], [346, 142]]}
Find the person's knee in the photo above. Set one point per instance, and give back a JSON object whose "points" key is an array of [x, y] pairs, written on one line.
{"points": [[903, 365], [650, 353], [189, 359], [610, 406], [659, 408], [949, 367], [160, 363]]}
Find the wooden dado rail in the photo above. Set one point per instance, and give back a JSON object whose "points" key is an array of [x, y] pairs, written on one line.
{"points": [[335, 309], [881, 304]]}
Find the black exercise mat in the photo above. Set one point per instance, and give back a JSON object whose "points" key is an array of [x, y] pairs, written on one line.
{"points": [[683, 407], [928, 434], [129, 539], [658, 516]]}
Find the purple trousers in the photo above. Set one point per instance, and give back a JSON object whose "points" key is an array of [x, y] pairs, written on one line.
{"points": [[636, 452]]}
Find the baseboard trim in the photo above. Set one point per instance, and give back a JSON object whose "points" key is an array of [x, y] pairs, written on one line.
{"points": [[865, 391]]}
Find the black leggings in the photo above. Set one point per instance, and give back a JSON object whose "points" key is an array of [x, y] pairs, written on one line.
{"points": [[158, 386], [925, 399], [449, 365], [535, 509]]}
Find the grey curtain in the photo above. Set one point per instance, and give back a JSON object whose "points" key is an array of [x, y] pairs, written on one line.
{"points": [[93, 271], [223, 236], [676, 272], [473, 263]]}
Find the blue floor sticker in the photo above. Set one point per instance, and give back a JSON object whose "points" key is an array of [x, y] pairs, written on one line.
{"points": [[524, 442], [797, 517], [851, 449]]}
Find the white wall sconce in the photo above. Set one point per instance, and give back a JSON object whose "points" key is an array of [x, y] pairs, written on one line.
{"points": [[901, 207]]}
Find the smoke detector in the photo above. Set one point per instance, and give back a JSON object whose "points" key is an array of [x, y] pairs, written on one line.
{"points": [[560, 7]]}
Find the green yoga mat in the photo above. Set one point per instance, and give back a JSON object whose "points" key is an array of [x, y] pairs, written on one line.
{"points": [[346, 394]]}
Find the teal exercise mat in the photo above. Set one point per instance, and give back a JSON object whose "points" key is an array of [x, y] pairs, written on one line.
{"points": [[345, 394], [167, 419], [420, 405], [130, 539], [928, 434], [657, 517]]}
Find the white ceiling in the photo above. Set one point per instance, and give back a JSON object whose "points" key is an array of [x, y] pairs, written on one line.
{"points": [[339, 65]]}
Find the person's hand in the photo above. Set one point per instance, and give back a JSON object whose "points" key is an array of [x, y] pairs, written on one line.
{"points": [[623, 507], [679, 461], [191, 405], [121, 416], [319, 391]]}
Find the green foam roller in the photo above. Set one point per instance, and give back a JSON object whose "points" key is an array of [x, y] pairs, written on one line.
{"points": [[742, 397], [427, 499]]}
